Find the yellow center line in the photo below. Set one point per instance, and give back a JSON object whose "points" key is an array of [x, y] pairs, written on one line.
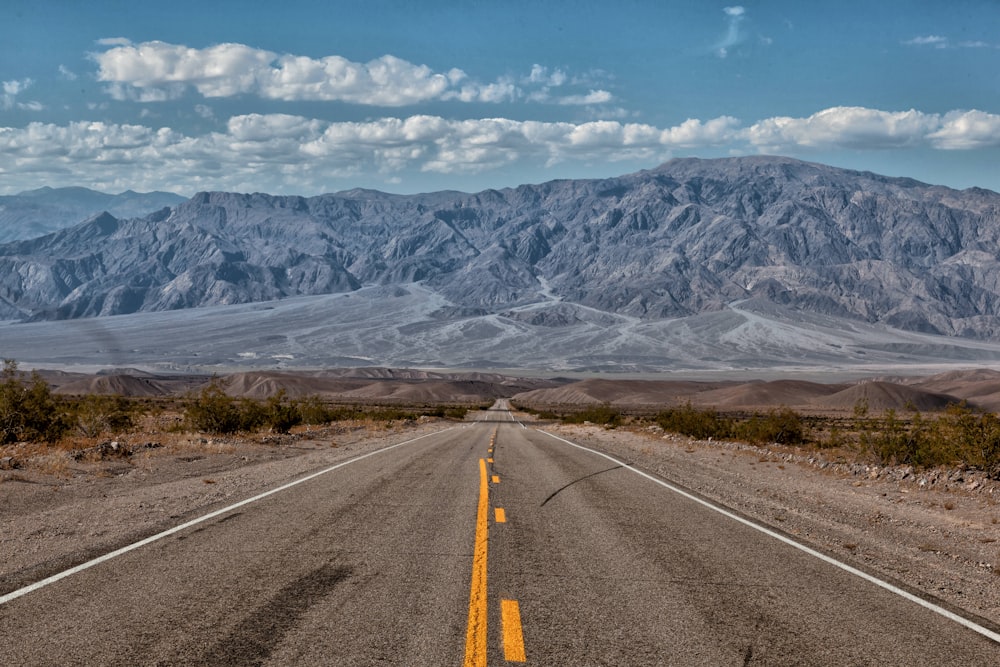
{"points": [[489, 460], [513, 638], [496, 479], [475, 634], [500, 515]]}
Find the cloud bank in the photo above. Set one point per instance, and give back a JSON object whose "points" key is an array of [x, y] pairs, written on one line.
{"points": [[158, 71], [290, 153]]}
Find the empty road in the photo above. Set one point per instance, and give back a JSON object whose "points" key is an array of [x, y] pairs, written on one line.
{"points": [[489, 543]]}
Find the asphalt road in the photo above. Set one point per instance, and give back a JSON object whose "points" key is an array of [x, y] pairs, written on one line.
{"points": [[403, 558]]}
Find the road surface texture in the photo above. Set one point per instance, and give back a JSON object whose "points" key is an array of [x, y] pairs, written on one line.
{"points": [[488, 543]]}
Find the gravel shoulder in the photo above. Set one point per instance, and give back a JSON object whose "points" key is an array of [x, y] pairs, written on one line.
{"points": [[943, 539]]}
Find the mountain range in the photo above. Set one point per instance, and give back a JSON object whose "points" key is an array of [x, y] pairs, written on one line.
{"points": [[38, 212], [694, 241]]}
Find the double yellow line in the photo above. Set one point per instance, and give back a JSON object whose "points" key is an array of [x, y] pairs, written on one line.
{"points": [[475, 633], [510, 614]]}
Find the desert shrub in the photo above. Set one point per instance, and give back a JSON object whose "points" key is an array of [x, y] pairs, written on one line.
{"points": [[783, 426], [28, 411], [252, 414], [281, 415], [214, 411], [313, 411], [920, 442], [604, 415], [693, 422], [388, 414], [95, 414]]}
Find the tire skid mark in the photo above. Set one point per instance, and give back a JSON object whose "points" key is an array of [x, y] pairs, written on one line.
{"points": [[255, 638]]}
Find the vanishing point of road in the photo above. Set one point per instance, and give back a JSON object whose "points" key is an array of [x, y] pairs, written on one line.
{"points": [[487, 543]]}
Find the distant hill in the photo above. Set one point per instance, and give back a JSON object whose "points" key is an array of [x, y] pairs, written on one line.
{"points": [[34, 213]]}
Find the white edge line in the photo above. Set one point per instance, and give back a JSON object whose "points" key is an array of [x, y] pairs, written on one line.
{"points": [[211, 515], [986, 632]]}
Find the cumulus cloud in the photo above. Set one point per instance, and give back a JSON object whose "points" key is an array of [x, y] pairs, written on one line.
{"points": [[963, 130], [543, 86], [67, 74], [844, 127], [11, 90], [284, 152], [266, 151], [158, 71], [542, 75]]}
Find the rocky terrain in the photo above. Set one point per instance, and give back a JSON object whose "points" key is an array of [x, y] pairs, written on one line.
{"points": [[687, 238]]}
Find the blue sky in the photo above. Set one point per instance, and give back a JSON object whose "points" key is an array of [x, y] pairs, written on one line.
{"points": [[304, 97]]}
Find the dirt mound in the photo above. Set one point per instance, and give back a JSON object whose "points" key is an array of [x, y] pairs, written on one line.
{"points": [[619, 392], [960, 378], [442, 391], [360, 387], [295, 385], [880, 396], [122, 385], [980, 387], [778, 392]]}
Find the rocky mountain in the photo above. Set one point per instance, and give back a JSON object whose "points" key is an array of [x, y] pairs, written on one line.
{"points": [[38, 212], [689, 237]]}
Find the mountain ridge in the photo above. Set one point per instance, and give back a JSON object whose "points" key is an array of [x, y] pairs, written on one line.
{"points": [[33, 213], [688, 237]]}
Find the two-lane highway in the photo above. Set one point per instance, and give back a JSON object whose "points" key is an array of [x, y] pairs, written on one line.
{"points": [[486, 544]]}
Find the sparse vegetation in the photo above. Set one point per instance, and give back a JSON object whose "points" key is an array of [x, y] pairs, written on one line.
{"points": [[214, 411], [959, 436], [783, 426], [29, 411], [694, 422], [603, 415], [94, 414]]}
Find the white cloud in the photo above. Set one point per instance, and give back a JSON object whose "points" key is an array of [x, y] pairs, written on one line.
{"points": [[282, 152], [113, 41], [204, 111], [13, 88], [16, 87], [542, 75], [936, 41], [67, 74], [593, 97], [962, 130], [158, 71], [541, 81], [693, 133], [843, 127], [940, 42]]}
